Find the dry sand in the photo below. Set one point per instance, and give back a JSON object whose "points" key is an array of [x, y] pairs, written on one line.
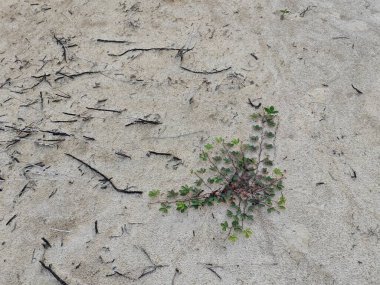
{"points": [[306, 65]]}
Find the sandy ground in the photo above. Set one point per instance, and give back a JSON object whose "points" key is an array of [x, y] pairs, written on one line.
{"points": [[307, 65]]}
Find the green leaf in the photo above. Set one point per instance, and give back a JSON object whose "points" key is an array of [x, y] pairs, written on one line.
{"points": [[227, 160], [235, 141], [278, 172], [257, 127], [217, 158], [247, 232], [184, 190], [208, 146], [219, 140], [196, 203], [201, 170], [172, 194], [270, 210], [154, 193], [281, 202], [181, 206], [164, 208], [268, 162], [271, 123], [224, 226], [271, 110], [255, 116], [279, 185], [269, 134], [268, 146], [229, 213], [233, 238], [203, 156]]}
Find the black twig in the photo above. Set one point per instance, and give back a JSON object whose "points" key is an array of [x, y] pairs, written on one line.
{"points": [[149, 49], [205, 72], [113, 41], [89, 138], [213, 271], [48, 268], [308, 8], [96, 227], [149, 269], [177, 272], [46, 243], [55, 133], [105, 110], [144, 122], [356, 89], [64, 121], [59, 42], [5, 83], [254, 56], [72, 76], [105, 178], [253, 105], [123, 154], [23, 190], [11, 219]]}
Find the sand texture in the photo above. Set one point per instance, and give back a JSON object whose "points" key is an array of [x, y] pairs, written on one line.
{"points": [[69, 92]]}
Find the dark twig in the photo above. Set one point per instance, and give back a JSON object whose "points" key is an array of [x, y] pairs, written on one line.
{"points": [[175, 158], [55, 133], [23, 189], [105, 178], [177, 272], [253, 105], [67, 121], [105, 110], [120, 274], [5, 83], [112, 41], [48, 268], [59, 42], [213, 271], [123, 154], [72, 76], [356, 89], [46, 243], [254, 56], [149, 269], [11, 219], [89, 138], [144, 122], [149, 49], [96, 227], [205, 72], [308, 8]]}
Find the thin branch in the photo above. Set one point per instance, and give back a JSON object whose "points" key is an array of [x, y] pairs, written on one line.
{"points": [[149, 49], [113, 41], [105, 110], [144, 122], [105, 178], [59, 42], [356, 89], [48, 268], [206, 72]]}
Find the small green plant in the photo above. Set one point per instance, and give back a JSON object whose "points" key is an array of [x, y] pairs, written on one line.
{"points": [[238, 174], [283, 13]]}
